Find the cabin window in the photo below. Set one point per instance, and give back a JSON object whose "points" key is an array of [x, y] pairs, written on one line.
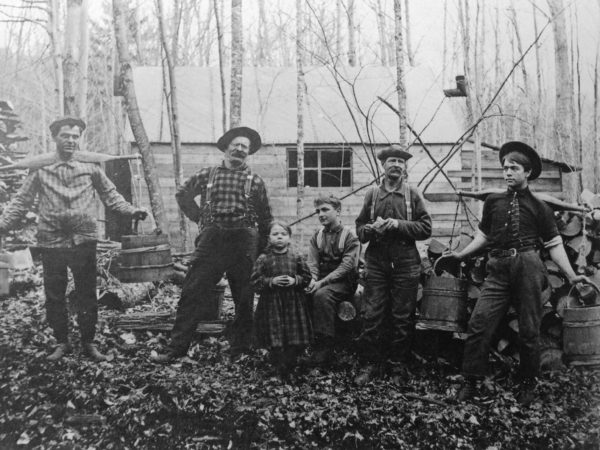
{"points": [[323, 167]]}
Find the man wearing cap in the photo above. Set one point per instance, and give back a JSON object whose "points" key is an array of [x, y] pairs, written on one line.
{"points": [[514, 225], [332, 259], [67, 232], [393, 217], [233, 216]]}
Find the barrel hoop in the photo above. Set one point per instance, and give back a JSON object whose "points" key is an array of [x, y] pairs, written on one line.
{"points": [[156, 266], [156, 248], [588, 324]]}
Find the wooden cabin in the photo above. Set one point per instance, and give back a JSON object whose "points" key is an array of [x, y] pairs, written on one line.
{"points": [[343, 117]]}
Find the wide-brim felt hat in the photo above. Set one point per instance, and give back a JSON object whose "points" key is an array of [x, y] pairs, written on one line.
{"points": [[255, 141], [531, 154], [395, 151], [70, 121]]}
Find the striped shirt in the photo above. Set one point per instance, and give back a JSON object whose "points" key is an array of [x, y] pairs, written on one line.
{"points": [[67, 207], [228, 206]]}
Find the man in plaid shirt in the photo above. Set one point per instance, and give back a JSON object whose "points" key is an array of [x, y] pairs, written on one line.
{"points": [[67, 231], [233, 218]]}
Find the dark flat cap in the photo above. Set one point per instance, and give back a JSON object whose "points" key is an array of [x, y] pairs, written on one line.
{"points": [[68, 121], [393, 150], [526, 150], [255, 141]]}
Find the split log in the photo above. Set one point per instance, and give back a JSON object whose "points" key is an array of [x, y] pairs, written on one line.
{"points": [[553, 202], [164, 322], [46, 159]]}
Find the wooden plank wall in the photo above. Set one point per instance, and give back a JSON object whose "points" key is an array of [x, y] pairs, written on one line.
{"points": [[271, 164]]}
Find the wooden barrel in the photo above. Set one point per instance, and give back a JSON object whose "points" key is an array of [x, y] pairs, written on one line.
{"points": [[581, 335], [145, 257], [444, 304]]}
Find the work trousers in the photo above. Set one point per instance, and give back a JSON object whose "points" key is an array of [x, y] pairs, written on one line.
{"points": [[390, 302], [82, 262], [218, 251], [325, 302], [517, 280]]}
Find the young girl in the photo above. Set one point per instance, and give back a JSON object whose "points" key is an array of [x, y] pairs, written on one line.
{"points": [[282, 321]]}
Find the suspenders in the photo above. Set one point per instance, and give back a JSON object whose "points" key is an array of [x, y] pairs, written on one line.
{"points": [[341, 243], [407, 200], [211, 182]]}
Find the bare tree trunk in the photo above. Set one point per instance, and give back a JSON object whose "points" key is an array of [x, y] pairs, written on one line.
{"points": [[402, 129], [445, 44], [300, 107], [579, 134], [175, 24], [409, 52], [135, 119], [57, 56], [338, 28], [564, 87], [71, 62], [537, 122], [237, 61], [221, 47], [351, 34], [262, 39], [84, 44], [173, 108], [381, 28], [523, 100], [596, 137]]}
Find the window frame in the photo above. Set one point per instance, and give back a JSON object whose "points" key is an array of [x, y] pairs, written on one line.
{"points": [[319, 149]]}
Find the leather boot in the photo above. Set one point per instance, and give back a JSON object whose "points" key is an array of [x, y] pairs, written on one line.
{"points": [[90, 350], [365, 374], [468, 390], [164, 358], [526, 393], [60, 351]]}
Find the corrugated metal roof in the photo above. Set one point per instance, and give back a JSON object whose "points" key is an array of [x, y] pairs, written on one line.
{"points": [[269, 104]]}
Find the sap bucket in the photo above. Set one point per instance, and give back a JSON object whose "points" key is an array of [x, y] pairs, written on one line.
{"points": [[444, 303], [581, 333], [145, 257]]}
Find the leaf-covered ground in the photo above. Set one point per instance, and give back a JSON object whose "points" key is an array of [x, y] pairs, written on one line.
{"points": [[206, 401]]}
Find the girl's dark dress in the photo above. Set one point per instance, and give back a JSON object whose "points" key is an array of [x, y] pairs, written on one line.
{"points": [[281, 318]]}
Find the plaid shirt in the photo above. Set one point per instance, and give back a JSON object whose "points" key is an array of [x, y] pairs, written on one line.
{"points": [[67, 207], [228, 206]]}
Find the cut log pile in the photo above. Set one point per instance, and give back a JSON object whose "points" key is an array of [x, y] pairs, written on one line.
{"points": [[569, 311]]}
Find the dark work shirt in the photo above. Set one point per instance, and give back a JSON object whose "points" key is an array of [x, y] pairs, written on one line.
{"points": [[536, 219], [393, 205]]}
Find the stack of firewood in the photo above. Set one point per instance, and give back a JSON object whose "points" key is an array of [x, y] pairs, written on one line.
{"points": [[579, 226]]}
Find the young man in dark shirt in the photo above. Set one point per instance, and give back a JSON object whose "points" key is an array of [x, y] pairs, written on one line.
{"points": [[514, 225]]}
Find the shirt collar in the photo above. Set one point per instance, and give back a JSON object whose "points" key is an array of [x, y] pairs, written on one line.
{"points": [[520, 192], [399, 190], [242, 168], [335, 228]]}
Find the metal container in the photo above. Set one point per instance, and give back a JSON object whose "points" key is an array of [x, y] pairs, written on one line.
{"points": [[581, 335]]}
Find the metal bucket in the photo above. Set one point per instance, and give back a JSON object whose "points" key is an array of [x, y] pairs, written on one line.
{"points": [[444, 303], [145, 257], [581, 335]]}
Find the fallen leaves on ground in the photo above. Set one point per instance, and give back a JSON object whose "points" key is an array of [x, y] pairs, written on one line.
{"points": [[206, 401]]}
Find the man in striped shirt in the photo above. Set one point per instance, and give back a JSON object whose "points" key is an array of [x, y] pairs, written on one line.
{"points": [[234, 217], [67, 231]]}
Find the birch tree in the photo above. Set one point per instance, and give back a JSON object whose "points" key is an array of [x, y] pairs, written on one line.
{"points": [[221, 47], [133, 112], [400, 88], [351, 34], [563, 120], [237, 61], [300, 106], [172, 105]]}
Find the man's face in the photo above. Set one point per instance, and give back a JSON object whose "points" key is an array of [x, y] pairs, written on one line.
{"points": [[237, 151], [394, 167], [67, 141], [515, 174], [327, 214]]}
